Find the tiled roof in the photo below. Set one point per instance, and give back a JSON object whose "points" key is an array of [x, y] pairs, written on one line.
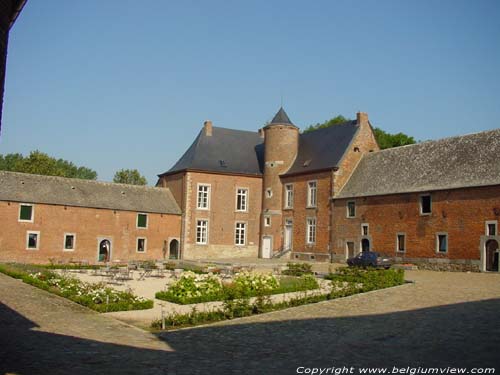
{"points": [[456, 162], [31, 188]]}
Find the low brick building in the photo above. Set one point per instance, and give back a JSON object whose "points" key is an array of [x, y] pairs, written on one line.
{"points": [[435, 203], [44, 218]]}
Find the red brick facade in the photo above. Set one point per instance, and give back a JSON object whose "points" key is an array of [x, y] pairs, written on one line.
{"points": [[221, 213], [89, 226], [460, 214]]}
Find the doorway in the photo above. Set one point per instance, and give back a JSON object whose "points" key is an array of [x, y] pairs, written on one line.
{"points": [[174, 249], [350, 250], [104, 251], [365, 245], [492, 255], [267, 247], [288, 235]]}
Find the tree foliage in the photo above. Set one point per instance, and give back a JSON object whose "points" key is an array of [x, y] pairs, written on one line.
{"points": [[384, 139], [40, 163], [129, 176], [387, 140], [334, 121]]}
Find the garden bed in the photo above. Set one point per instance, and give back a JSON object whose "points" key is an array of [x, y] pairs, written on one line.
{"points": [[196, 288], [96, 296], [345, 282]]}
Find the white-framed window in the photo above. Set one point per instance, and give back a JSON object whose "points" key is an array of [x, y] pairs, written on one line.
{"points": [[288, 195], [202, 231], [351, 209], [26, 212], [364, 229], [141, 244], [69, 242], [311, 230], [242, 199], [311, 193], [32, 240], [425, 204], [491, 228], [401, 242], [267, 221], [203, 197], [240, 233], [142, 221], [442, 242]]}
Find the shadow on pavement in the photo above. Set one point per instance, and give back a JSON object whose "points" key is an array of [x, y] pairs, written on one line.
{"points": [[466, 334]]}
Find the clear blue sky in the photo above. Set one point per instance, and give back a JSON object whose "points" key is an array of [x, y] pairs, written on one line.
{"points": [[127, 84]]}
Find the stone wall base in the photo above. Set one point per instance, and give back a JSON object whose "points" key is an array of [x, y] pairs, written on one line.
{"points": [[219, 251]]}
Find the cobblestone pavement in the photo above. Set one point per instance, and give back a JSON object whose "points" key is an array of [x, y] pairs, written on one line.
{"points": [[443, 319]]}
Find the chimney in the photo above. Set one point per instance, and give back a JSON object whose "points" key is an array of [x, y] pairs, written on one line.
{"points": [[207, 125], [262, 134], [362, 118]]}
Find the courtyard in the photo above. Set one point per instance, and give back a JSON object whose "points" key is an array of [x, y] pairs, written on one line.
{"points": [[442, 319]]}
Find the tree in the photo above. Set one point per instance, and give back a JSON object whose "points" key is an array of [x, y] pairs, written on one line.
{"points": [[129, 176], [40, 163], [387, 140], [384, 139], [334, 121]]}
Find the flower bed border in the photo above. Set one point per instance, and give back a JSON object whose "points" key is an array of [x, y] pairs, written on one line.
{"points": [[9, 270]]}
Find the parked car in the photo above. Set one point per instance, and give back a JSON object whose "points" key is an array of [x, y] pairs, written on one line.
{"points": [[369, 259]]}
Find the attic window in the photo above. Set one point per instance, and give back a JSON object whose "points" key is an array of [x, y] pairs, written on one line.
{"points": [[222, 163], [306, 163], [356, 149]]}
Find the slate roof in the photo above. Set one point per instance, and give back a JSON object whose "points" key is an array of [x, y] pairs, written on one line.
{"points": [[281, 118], [31, 188], [323, 148], [225, 151], [457, 162], [242, 152]]}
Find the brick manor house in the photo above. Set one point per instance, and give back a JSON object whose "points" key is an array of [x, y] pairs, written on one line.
{"points": [[323, 195]]}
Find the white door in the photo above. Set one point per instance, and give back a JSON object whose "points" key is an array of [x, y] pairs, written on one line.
{"points": [[288, 236], [266, 247]]}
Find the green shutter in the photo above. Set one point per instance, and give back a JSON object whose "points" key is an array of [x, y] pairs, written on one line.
{"points": [[142, 220], [26, 212]]}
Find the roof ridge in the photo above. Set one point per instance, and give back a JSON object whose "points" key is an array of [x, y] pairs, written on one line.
{"points": [[82, 180], [429, 141], [237, 130]]}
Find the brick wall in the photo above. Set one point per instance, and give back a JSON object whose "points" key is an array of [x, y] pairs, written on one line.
{"points": [[281, 146], [300, 212], [221, 216], [460, 213], [363, 143], [88, 224]]}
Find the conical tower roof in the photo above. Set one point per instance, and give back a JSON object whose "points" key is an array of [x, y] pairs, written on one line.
{"points": [[281, 118]]}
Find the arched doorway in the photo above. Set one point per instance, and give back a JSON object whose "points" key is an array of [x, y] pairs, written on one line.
{"points": [[492, 255], [104, 251], [174, 249], [365, 244]]}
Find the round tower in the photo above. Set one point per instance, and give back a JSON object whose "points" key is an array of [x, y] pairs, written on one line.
{"points": [[281, 143]]}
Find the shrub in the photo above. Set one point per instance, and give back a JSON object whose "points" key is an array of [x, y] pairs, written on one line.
{"points": [[368, 279], [254, 284], [298, 269], [193, 288], [98, 296]]}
